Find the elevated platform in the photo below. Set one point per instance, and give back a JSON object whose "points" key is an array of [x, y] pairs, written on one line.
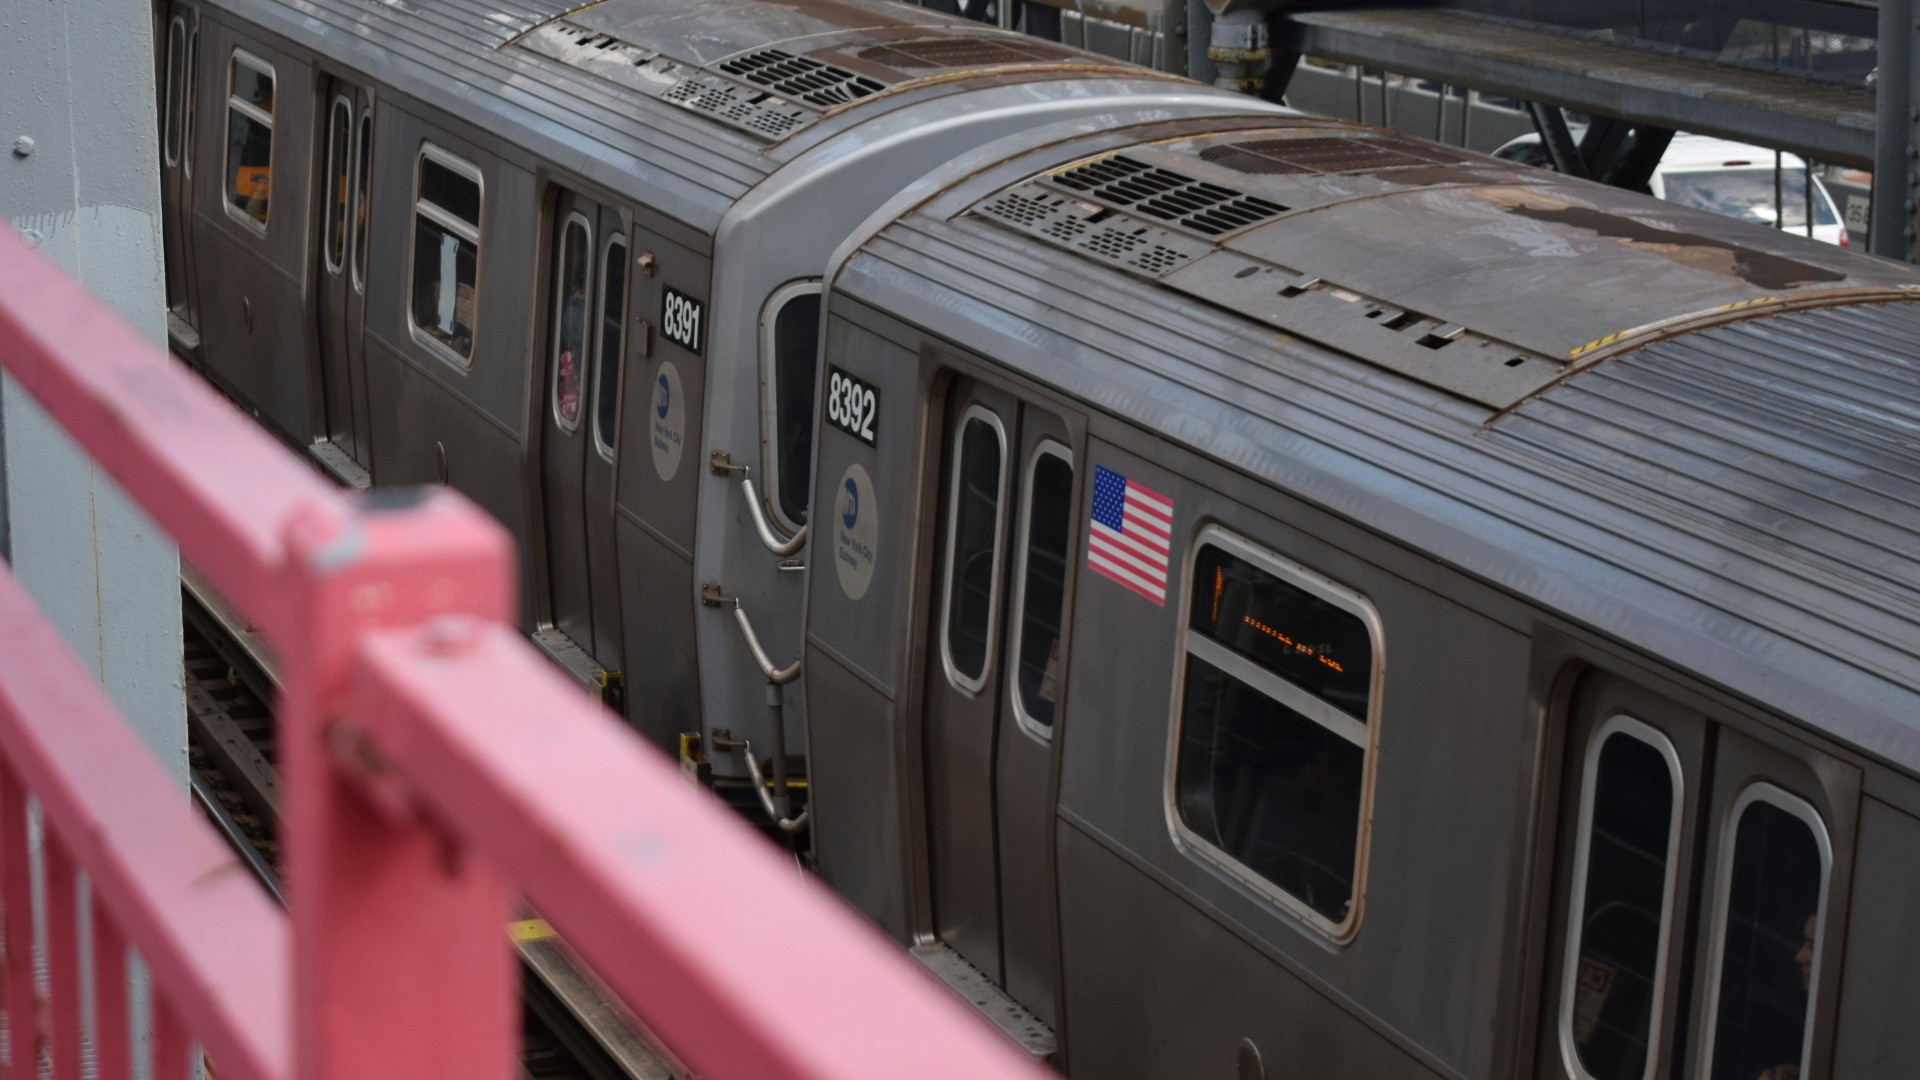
{"points": [[1826, 121]]}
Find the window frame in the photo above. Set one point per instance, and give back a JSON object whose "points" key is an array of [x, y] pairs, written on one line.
{"points": [[1620, 723], [770, 463], [360, 209], [587, 321], [454, 224], [1234, 665], [173, 139], [1780, 799], [259, 116], [340, 203], [603, 441], [971, 687], [1045, 446]]}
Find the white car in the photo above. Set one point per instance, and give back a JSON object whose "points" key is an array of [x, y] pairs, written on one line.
{"points": [[1726, 177]]}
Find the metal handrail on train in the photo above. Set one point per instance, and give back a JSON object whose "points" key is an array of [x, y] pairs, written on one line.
{"points": [[782, 548]]}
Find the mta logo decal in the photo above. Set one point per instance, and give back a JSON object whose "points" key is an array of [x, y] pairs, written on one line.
{"points": [[666, 397], [850, 506]]}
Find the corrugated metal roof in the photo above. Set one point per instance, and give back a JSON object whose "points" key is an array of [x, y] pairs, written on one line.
{"points": [[1738, 501]]}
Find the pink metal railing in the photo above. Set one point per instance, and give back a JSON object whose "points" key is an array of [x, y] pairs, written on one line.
{"points": [[434, 769]]}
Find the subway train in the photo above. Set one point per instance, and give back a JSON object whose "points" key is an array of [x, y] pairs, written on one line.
{"points": [[1248, 595]]}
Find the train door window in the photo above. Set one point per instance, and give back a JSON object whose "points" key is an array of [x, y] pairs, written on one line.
{"points": [[790, 343], [971, 591], [1039, 591], [250, 82], [361, 206], [446, 252], [1624, 874], [1274, 732], [339, 136], [1773, 880], [176, 120], [613, 319], [570, 325], [189, 84]]}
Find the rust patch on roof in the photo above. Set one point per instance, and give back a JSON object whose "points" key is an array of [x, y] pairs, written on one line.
{"points": [[1761, 268]]}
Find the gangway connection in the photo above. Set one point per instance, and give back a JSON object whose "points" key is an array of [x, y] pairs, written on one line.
{"points": [[570, 1029]]}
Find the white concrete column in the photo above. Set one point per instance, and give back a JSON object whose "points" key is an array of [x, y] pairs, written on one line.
{"points": [[79, 176]]}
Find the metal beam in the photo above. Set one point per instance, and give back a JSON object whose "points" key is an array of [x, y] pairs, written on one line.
{"points": [[1890, 224], [1823, 120], [1551, 122]]}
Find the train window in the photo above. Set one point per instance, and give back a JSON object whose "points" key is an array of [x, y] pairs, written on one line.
{"points": [[176, 94], [339, 134], [613, 322], [188, 86], [570, 320], [446, 252], [973, 533], [361, 206], [1040, 590], [249, 138], [1617, 928], [1766, 940], [791, 344], [1275, 726]]}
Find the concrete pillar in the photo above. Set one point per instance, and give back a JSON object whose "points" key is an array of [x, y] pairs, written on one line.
{"points": [[79, 176]]}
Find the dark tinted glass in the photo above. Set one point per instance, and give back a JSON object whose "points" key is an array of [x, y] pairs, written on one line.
{"points": [[249, 158], [1275, 791], [796, 367], [360, 206], [1614, 996], [970, 581], [192, 82], [443, 279], [613, 322], [253, 85], [456, 193], [176, 83], [570, 328], [1049, 514], [339, 131], [1314, 644], [1766, 970]]}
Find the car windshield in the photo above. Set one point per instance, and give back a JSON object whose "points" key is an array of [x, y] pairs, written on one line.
{"points": [[1748, 194]]}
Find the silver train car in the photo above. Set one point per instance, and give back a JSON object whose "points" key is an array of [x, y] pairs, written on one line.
{"points": [[1280, 597], [1361, 608], [566, 257]]}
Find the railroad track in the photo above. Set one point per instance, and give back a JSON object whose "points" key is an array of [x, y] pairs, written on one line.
{"points": [[231, 757]]}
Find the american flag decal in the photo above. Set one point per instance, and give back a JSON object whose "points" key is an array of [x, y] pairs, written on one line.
{"points": [[1131, 529]]}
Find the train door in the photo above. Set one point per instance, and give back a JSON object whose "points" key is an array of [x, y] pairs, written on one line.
{"points": [[995, 672], [179, 85], [587, 300], [345, 166], [1695, 892]]}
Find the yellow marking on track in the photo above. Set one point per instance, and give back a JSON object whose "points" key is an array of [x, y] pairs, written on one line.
{"points": [[525, 930], [1738, 304]]}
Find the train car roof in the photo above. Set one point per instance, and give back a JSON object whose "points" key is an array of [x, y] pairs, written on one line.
{"points": [[690, 101], [1695, 436]]}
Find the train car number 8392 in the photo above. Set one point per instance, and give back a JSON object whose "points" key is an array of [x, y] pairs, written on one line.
{"points": [[852, 405]]}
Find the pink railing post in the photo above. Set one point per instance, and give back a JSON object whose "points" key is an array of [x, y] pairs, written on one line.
{"points": [[400, 961]]}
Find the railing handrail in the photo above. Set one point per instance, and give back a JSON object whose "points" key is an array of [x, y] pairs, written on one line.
{"points": [[425, 749]]}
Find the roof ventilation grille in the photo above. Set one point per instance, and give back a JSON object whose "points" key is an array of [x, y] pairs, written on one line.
{"points": [[959, 52], [1116, 237], [800, 77], [737, 105], [1208, 209], [1280, 157]]}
